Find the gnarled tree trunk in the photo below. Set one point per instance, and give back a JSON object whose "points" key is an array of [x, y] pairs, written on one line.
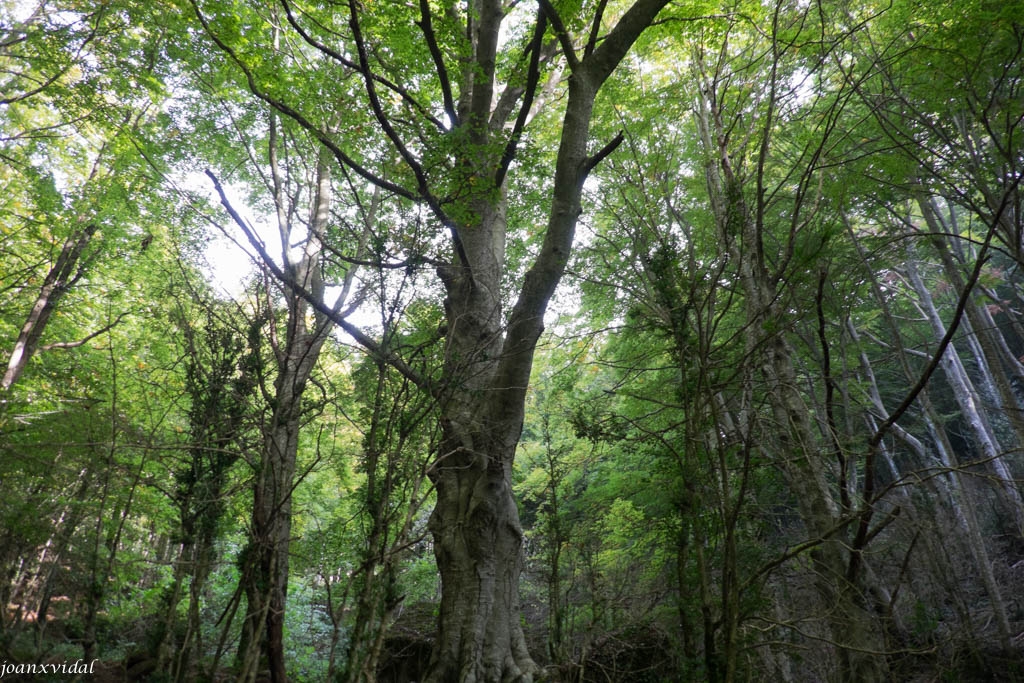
{"points": [[477, 533]]}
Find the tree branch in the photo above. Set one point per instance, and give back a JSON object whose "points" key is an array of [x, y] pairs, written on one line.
{"points": [[427, 27], [422, 185], [561, 33], [591, 163], [297, 116], [348, 63], [529, 92], [337, 317], [86, 339], [605, 57], [595, 29], [526, 321]]}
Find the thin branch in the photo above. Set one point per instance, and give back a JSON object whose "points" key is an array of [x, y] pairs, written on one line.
{"points": [[530, 91], [336, 316], [864, 533], [982, 258], [53, 79], [427, 27], [297, 116], [378, 110], [591, 162], [561, 33], [423, 187], [86, 339], [595, 29], [348, 63]]}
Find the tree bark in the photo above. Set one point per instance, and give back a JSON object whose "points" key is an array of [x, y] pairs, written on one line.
{"points": [[265, 577], [969, 403], [988, 345], [478, 538], [64, 273]]}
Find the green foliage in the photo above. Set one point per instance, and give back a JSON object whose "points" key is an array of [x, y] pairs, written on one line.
{"points": [[653, 468]]}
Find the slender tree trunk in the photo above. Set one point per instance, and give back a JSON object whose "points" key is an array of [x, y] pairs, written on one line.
{"points": [[969, 403], [555, 540], [65, 271], [960, 504], [267, 574], [953, 487], [376, 598], [265, 577], [182, 564], [797, 451], [980, 329]]}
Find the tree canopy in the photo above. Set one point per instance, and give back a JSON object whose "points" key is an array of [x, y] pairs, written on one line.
{"points": [[583, 340]]}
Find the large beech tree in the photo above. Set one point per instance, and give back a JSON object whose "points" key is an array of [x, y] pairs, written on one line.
{"points": [[451, 89], [780, 440]]}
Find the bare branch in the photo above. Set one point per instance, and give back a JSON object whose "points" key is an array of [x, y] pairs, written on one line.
{"points": [[427, 27], [85, 340], [334, 315]]}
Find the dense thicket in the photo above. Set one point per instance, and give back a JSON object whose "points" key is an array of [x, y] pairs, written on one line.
{"points": [[483, 341]]}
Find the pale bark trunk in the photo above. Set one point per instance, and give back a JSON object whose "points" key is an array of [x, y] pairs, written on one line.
{"points": [[967, 516], [953, 487], [968, 401], [988, 346], [265, 576], [960, 504], [65, 271]]}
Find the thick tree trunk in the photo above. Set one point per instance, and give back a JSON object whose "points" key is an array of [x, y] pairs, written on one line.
{"points": [[478, 540], [475, 523], [478, 546]]}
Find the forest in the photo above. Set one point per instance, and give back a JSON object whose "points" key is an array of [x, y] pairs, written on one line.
{"points": [[510, 341]]}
